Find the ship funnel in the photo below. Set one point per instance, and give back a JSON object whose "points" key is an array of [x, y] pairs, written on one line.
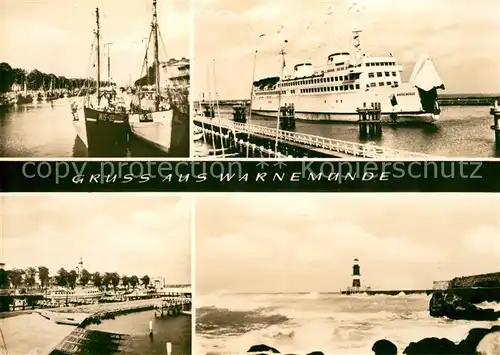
{"points": [[425, 76]]}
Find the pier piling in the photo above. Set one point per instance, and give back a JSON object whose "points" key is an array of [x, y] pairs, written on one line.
{"points": [[239, 113], [495, 112], [287, 117], [208, 110], [370, 124]]}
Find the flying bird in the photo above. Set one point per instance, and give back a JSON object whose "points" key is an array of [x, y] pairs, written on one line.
{"points": [[262, 35]]}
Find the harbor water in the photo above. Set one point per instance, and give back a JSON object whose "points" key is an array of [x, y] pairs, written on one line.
{"points": [[463, 131], [30, 332], [45, 129], [333, 324], [176, 330]]}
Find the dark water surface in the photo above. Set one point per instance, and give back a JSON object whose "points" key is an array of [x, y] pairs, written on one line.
{"points": [[45, 130], [176, 330]]}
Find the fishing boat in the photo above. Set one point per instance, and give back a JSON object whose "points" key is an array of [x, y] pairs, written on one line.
{"points": [[106, 123], [153, 124], [24, 97], [334, 92], [50, 95]]}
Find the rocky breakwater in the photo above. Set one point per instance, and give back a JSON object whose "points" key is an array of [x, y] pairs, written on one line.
{"points": [[479, 341], [449, 304]]}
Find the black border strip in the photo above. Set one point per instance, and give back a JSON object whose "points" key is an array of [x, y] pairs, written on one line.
{"points": [[249, 176]]}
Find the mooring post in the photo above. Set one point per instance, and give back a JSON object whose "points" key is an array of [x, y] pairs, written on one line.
{"points": [[495, 112], [168, 346]]}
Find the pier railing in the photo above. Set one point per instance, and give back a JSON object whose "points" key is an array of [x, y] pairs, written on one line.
{"points": [[329, 144]]}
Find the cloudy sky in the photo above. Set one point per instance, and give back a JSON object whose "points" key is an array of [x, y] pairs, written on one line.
{"points": [[461, 36], [307, 242], [55, 36], [132, 234]]}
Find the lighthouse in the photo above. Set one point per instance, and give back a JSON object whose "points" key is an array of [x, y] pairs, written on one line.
{"points": [[356, 276]]}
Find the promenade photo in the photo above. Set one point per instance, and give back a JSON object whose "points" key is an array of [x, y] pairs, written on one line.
{"points": [[381, 274], [95, 273]]}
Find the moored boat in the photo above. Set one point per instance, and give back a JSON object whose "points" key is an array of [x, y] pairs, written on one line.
{"points": [[106, 125], [153, 125]]}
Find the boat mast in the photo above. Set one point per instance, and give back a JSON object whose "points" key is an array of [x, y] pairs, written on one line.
{"points": [[357, 45], [97, 34], [107, 45], [157, 61], [251, 99], [282, 53]]}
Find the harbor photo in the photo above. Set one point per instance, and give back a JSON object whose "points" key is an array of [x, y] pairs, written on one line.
{"points": [[377, 79], [95, 274], [328, 274], [95, 79]]}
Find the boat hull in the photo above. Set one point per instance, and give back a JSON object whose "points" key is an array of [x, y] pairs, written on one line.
{"points": [[404, 117], [154, 128], [107, 133], [79, 126], [403, 102]]}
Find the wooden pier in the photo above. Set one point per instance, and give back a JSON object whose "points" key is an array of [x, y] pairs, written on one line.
{"points": [[83, 341], [259, 141]]}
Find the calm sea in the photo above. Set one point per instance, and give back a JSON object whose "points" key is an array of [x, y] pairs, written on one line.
{"points": [[302, 323], [463, 131], [45, 129]]}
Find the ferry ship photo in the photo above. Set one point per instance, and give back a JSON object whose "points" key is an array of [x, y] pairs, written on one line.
{"points": [[349, 81]]}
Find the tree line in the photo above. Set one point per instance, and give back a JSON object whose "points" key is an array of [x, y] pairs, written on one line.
{"points": [[37, 80], [27, 278]]}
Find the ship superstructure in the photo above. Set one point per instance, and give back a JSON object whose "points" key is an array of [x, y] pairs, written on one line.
{"points": [[348, 80]]}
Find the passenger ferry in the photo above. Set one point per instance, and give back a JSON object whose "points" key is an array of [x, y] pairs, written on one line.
{"points": [[348, 81], [78, 293]]}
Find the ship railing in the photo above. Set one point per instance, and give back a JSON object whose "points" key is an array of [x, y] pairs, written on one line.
{"points": [[333, 145]]}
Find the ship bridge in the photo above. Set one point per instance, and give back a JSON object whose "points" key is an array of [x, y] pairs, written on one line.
{"points": [[303, 70], [339, 59]]}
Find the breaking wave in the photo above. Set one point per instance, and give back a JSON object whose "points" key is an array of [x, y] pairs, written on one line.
{"points": [[302, 323]]}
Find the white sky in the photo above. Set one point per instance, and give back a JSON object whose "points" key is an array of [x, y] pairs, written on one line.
{"points": [[307, 242], [128, 234], [461, 37], [55, 36]]}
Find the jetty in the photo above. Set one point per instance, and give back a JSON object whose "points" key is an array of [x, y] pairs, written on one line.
{"points": [[82, 340], [259, 141]]}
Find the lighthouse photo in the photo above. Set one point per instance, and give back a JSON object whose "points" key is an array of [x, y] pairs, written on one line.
{"points": [[356, 280], [327, 273]]}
